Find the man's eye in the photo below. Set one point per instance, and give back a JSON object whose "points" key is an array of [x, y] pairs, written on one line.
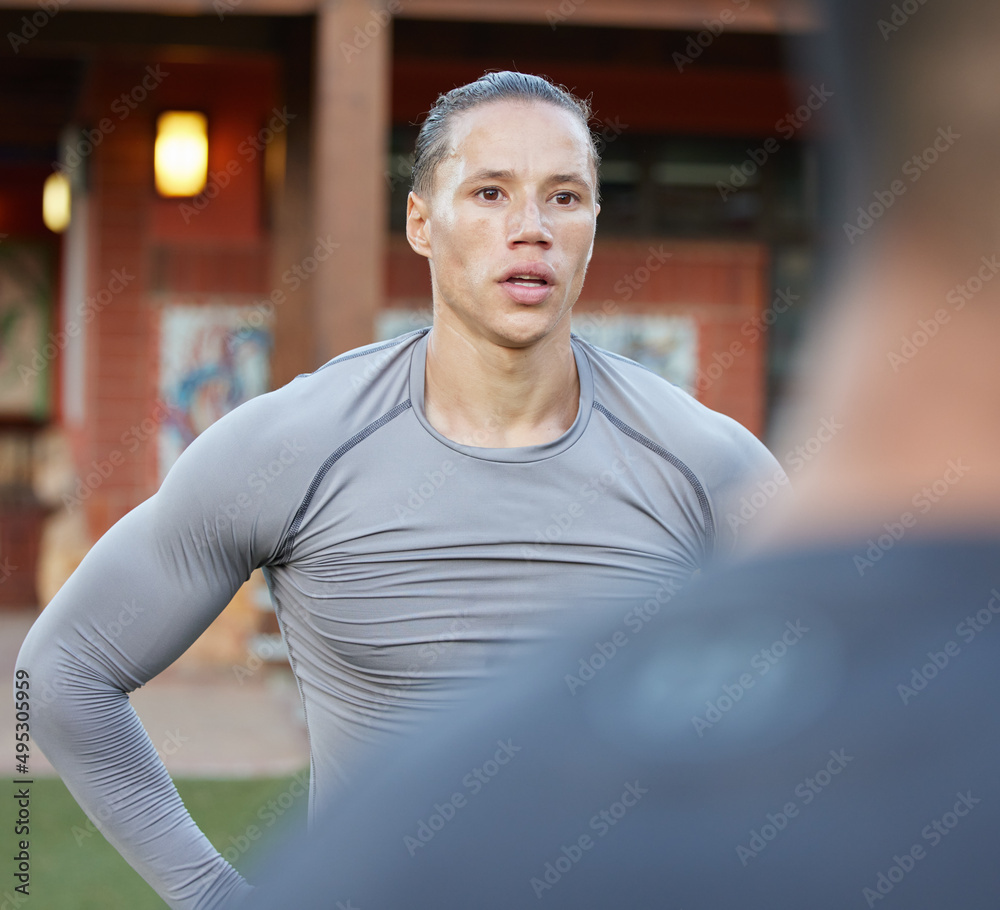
{"points": [[490, 194], [565, 198]]}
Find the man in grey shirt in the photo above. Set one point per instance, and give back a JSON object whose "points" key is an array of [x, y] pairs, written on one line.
{"points": [[430, 505]]}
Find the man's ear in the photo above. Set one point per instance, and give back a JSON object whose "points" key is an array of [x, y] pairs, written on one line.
{"points": [[590, 252], [418, 228]]}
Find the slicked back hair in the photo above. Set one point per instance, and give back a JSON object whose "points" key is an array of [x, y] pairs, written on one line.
{"points": [[432, 141]]}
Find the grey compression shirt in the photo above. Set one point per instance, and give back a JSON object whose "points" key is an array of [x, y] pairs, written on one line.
{"points": [[403, 568]]}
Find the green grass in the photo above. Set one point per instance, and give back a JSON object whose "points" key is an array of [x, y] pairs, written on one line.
{"points": [[75, 868]]}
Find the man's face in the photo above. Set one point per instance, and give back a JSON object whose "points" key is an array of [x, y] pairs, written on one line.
{"points": [[509, 225]]}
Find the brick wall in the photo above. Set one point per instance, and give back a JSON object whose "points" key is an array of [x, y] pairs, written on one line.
{"points": [[223, 252], [148, 251], [720, 285]]}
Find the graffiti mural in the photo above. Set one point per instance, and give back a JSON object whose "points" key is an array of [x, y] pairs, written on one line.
{"points": [[27, 351], [212, 359]]}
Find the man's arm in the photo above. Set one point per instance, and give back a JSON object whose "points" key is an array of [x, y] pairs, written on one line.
{"points": [[745, 482], [139, 599]]}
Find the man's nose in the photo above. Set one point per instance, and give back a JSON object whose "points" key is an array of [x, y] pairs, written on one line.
{"points": [[528, 224]]}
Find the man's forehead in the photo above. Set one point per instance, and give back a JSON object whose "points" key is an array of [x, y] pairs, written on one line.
{"points": [[507, 135]]}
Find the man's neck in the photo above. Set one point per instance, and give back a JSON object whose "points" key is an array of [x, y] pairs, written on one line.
{"points": [[906, 379], [479, 393]]}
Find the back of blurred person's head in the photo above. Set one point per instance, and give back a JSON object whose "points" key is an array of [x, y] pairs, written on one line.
{"points": [[901, 350], [869, 632], [916, 89]]}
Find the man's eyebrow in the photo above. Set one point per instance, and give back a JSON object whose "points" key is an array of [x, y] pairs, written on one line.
{"points": [[489, 174], [577, 179]]}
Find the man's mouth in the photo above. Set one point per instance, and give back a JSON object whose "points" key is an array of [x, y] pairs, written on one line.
{"points": [[528, 281]]}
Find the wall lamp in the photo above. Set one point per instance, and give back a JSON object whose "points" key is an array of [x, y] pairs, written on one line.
{"points": [[180, 156], [56, 196]]}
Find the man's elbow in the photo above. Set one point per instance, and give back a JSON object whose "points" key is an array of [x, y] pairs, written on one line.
{"points": [[59, 685]]}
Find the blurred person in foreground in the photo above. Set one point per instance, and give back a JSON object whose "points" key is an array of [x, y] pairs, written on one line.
{"points": [[815, 727], [432, 503]]}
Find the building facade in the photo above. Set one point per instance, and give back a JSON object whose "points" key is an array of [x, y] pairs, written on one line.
{"points": [[149, 317]]}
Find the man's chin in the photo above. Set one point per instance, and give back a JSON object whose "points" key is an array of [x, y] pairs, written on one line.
{"points": [[520, 334], [520, 328]]}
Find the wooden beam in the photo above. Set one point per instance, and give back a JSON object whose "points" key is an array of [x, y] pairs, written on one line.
{"points": [[777, 16], [639, 99], [684, 15]]}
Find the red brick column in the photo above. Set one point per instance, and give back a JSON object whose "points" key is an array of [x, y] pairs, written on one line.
{"points": [[352, 123]]}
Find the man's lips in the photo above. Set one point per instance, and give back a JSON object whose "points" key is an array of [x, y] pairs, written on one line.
{"points": [[528, 282]]}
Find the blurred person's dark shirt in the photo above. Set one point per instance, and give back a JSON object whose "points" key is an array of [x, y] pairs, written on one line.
{"points": [[808, 730]]}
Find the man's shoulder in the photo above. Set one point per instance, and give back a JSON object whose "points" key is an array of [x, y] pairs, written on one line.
{"points": [[374, 377], [334, 402], [362, 366], [647, 402]]}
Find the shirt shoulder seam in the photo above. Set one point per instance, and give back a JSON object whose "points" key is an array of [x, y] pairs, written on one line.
{"points": [[285, 548], [670, 458]]}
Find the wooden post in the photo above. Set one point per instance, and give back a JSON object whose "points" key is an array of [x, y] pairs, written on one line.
{"points": [[353, 56]]}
